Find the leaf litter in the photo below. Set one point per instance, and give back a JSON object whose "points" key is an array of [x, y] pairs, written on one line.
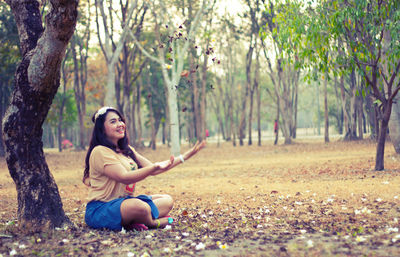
{"points": [[304, 199]]}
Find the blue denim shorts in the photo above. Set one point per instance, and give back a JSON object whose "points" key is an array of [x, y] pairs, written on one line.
{"points": [[108, 214]]}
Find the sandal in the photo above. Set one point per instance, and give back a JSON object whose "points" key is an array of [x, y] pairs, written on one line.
{"points": [[170, 221], [137, 227]]}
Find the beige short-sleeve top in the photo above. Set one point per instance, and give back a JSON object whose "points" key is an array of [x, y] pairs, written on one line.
{"points": [[103, 188]]}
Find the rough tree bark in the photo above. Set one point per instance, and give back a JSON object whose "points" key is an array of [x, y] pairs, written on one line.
{"points": [[36, 82]]}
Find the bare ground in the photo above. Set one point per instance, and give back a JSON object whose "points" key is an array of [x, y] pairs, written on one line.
{"points": [[305, 199]]}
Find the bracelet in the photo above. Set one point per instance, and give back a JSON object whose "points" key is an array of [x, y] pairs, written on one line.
{"points": [[181, 158]]}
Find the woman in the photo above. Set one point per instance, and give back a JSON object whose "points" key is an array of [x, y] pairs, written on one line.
{"points": [[112, 168]]}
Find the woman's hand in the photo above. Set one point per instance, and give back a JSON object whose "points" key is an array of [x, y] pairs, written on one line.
{"points": [[195, 149], [163, 166], [160, 167]]}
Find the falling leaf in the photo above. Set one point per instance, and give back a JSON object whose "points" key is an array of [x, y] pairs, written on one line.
{"points": [[185, 73]]}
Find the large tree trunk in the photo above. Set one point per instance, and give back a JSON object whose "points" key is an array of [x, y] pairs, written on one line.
{"points": [[36, 82]]}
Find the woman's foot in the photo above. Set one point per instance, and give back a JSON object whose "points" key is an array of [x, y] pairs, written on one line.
{"points": [[137, 227], [162, 222]]}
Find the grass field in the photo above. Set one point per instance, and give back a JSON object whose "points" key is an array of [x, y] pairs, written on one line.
{"points": [[305, 199]]}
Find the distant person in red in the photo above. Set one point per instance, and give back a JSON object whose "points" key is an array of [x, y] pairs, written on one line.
{"points": [[66, 144], [207, 133], [276, 127]]}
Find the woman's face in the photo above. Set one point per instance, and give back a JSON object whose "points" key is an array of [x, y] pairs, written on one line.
{"points": [[114, 127]]}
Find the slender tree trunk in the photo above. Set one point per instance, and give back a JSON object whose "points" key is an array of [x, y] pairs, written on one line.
{"points": [[78, 90], [277, 120], [152, 125], [258, 113], [295, 109], [232, 124], [251, 104], [36, 82], [110, 52], [173, 116], [216, 106], [195, 98], [360, 119], [346, 126], [353, 107], [202, 132], [394, 124], [318, 116], [380, 149], [61, 109], [339, 116], [138, 108], [326, 109], [253, 88], [242, 124], [2, 147]]}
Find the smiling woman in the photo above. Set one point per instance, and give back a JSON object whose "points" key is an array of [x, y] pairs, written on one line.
{"points": [[114, 127], [112, 169]]}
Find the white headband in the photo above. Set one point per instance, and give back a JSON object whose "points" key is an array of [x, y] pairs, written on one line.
{"points": [[101, 111]]}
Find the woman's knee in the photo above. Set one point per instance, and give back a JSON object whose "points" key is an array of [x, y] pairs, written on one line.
{"points": [[133, 208], [166, 202], [169, 200]]}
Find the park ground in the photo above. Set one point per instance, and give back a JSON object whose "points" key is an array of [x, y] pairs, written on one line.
{"points": [[305, 199]]}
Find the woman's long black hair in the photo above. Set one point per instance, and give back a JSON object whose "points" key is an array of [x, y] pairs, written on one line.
{"points": [[99, 137]]}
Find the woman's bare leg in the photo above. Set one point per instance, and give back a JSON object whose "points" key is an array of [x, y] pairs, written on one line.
{"points": [[137, 211], [164, 204]]}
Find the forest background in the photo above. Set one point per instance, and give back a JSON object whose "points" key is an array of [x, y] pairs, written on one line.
{"points": [[230, 68]]}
